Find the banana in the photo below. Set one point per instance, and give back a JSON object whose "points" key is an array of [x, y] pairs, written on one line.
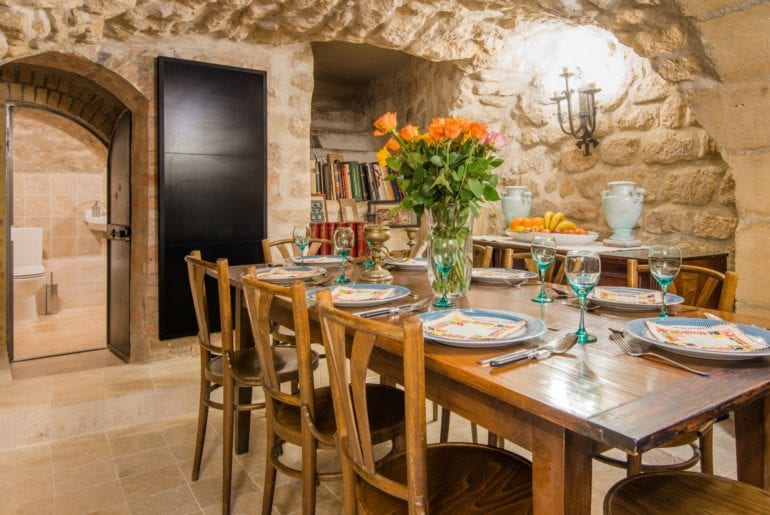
{"points": [[555, 219], [566, 225], [547, 219]]}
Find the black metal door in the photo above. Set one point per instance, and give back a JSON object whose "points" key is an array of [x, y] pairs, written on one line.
{"points": [[119, 238]]}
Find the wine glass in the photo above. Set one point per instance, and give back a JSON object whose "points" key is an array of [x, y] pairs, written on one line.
{"points": [[343, 246], [583, 270], [665, 261], [444, 251], [543, 253], [301, 234]]}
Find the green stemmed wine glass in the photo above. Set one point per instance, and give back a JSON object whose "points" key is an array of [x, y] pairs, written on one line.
{"points": [[543, 251], [665, 262], [444, 251], [301, 234], [583, 271], [343, 246]]}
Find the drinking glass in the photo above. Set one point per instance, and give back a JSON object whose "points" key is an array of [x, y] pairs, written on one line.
{"points": [[301, 235], [543, 253], [343, 246], [444, 251], [665, 261], [583, 270]]}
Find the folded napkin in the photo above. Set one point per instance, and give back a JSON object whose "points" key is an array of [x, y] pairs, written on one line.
{"points": [[498, 274], [721, 337], [459, 326], [347, 294], [317, 259], [640, 297], [282, 273]]}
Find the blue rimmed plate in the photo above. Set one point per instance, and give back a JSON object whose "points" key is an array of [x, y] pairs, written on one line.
{"points": [[534, 327], [501, 275], [625, 299], [364, 294], [287, 274], [317, 260], [417, 263], [638, 329]]}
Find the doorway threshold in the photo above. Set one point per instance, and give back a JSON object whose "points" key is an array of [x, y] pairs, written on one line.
{"points": [[63, 363]]}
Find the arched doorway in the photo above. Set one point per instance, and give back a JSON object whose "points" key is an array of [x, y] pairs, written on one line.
{"points": [[104, 104]]}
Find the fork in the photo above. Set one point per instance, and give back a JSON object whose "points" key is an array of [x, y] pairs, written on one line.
{"points": [[636, 351]]}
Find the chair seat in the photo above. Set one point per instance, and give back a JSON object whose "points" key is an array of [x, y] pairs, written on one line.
{"points": [[386, 421], [684, 492], [246, 368], [462, 478]]}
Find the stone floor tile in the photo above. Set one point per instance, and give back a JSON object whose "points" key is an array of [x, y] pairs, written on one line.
{"points": [[208, 492], [117, 509], [89, 499], [143, 461], [29, 456], [38, 506], [77, 478], [288, 497], [80, 450], [138, 442], [146, 484], [169, 502], [27, 484]]}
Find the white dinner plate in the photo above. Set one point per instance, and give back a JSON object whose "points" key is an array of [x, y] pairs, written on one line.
{"points": [[638, 329], [671, 299], [535, 327], [317, 260], [501, 275], [399, 292], [417, 263], [561, 238]]}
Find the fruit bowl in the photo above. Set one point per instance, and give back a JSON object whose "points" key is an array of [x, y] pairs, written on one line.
{"points": [[561, 238]]}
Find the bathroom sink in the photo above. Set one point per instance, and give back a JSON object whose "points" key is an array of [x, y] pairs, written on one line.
{"points": [[96, 223]]}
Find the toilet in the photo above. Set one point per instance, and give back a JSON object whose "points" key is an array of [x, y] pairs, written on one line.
{"points": [[28, 272]]}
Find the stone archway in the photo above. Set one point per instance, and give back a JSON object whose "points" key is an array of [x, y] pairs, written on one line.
{"points": [[94, 97]]}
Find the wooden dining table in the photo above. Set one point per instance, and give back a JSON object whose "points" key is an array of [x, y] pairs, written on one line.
{"points": [[570, 407]]}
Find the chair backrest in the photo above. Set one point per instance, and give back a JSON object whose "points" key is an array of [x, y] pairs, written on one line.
{"points": [[695, 283], [288, 249], [523, 261], [482, 256], [197, 269], [354, 438], [260, 297]]}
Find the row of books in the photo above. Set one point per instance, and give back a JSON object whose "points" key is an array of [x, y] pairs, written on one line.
{"points": [[337, 179], [325, 231]]}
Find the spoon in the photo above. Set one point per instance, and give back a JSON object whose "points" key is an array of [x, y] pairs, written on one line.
{"points": [[557, 346]]}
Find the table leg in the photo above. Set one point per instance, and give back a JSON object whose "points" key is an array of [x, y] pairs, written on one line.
{"points": [[561, 471], [244, 339], [752, 443]]}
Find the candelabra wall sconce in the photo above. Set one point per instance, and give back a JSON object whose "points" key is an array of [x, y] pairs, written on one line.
{"points": [[584, 132]]}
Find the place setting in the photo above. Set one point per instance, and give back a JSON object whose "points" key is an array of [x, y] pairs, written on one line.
{"points": [[288, 274]]}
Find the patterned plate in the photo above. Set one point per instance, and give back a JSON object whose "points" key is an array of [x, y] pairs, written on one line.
{"points": [[287, 274], [501, 275], [631, 299], [317, 260], [438, 328], [638, 329], [355, 295], [410, 264]]}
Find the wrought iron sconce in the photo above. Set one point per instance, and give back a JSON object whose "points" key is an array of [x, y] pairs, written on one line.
{"points": [[587, 113]]}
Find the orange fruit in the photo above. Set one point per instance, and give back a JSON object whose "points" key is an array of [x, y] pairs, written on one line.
{"points": [[515, 222], [527, 222]]}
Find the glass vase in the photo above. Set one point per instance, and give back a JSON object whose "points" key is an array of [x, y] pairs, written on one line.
{"points": [[452, 221]]}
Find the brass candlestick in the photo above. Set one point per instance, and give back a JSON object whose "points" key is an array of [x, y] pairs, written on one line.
{"points": [[376, 235], [410, 234]]}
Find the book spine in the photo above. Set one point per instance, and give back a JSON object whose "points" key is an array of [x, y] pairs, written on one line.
{"points": [[359, 182], [360, 240], [364, 170], [338, 182], [351, 188], [315, 230], [318, 182], [324, 233]]}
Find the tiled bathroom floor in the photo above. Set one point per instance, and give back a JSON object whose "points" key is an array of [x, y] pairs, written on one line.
{"points": [[135, 455], [70, 330]]}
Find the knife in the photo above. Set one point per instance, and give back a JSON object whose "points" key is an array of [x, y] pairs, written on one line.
{"points": [[392, 310]]}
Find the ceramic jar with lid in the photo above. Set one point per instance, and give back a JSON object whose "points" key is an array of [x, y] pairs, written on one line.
{"points": [[516, 202], [622, 205]]}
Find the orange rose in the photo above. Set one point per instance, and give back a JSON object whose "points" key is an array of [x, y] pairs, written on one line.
{"points": [[393, 145], [385, 124], [409, 132], [382, 156], [436, 129], [465, 124], [453, 128], [478, 130]]}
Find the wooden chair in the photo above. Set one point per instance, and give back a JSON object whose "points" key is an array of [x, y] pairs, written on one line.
{"points": [[523, 261], [288, 249], [305, 419], [482, 256], [696, 284], [214, 374], [673, 493], [437, 478]]}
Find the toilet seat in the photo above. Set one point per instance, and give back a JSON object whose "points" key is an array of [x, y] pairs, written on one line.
{"points": [[28, 272]]}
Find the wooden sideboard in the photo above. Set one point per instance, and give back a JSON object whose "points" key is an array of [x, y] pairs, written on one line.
{"points": [[614, 262]]}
